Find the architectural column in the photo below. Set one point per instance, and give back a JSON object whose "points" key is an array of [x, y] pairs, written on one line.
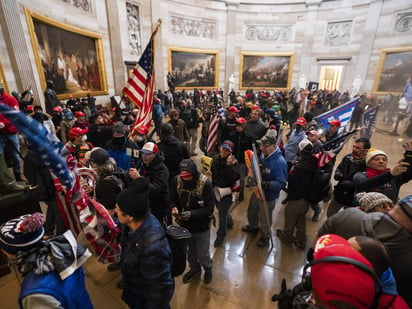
{"points": [[368, 39], [230, 54], [15, 39], [309, 34], [160, 72], [119, 66]]}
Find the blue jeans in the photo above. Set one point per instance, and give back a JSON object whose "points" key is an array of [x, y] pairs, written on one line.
{"points": [[13, 149], [198, 254], [224, 217]]}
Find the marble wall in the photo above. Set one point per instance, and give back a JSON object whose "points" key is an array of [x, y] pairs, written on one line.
{"points": [[350, 33]]}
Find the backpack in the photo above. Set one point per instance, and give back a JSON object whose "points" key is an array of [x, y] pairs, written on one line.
{"points": [[319, 187], [177, 237], [199, 186]]}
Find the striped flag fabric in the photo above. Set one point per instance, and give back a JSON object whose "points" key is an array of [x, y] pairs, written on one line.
{"points": [[342, 112], [213, 128], [139, 86], [326, 152]]}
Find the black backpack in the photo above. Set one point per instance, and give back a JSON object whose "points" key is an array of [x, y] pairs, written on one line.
{"points": [[319, 186], [177, 237]]}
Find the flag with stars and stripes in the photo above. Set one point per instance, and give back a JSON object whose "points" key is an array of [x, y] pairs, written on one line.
{"points": [[343, 113], [139, 86], [326, 152], [217, 115], [78, 211]]}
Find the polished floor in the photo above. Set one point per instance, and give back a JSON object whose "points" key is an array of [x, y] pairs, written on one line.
{"points": [[244, 275]]}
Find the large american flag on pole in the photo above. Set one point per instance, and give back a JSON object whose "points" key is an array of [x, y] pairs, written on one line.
{"points": [[213, 127], [139, 86], [343, 113]]}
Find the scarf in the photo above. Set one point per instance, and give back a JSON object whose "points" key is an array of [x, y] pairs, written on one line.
{"points": [[371, 172]]}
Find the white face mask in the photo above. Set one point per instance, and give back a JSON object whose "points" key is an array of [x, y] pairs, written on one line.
{"points": [[84, 138], [139, 138]]}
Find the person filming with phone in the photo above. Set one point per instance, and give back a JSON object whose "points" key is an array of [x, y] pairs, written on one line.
{"points": [[379, 178]]}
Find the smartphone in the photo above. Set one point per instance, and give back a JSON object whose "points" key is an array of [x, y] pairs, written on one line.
{"points": [[408, 157]]}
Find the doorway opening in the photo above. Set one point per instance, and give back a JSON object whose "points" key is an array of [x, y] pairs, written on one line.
{"points": [[330, 76]]}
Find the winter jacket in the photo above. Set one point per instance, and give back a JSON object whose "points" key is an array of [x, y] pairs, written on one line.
{"points": [[174, 151], [11, 101]]}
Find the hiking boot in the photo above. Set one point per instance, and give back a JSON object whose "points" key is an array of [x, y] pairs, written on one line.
{"points": [[263, 242], [218, 242], [113, 267], [208, 276], [250, 229], [189, 276], [284, 238]]}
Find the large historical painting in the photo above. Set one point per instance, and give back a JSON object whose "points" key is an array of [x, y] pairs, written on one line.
{"points": [[194, 68], [265, 70], [394, 68], [71, 57]]}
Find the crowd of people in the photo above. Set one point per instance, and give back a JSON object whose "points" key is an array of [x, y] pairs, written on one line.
{"points": [[146, 179]]}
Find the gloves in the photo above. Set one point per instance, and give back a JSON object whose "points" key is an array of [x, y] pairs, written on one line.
{"points": [[185, 215]]}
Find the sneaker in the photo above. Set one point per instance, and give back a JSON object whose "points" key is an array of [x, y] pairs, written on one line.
{"points": [[285, 239], [218, 242], [250, 229], [113, 267], [262, 242], [189, 276], [208, 276]]}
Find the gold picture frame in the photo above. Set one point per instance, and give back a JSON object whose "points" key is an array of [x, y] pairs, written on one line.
{"points": [[3, 79], [393, 68], [194, 68], [265, 70], [71, 57]]}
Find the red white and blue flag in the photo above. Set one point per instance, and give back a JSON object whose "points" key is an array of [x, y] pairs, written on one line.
{"points": [[217, 115], [343, 113], [139, 86]]}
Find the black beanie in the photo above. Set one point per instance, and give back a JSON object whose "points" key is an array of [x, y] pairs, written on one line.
{"points": [[134, 201]]}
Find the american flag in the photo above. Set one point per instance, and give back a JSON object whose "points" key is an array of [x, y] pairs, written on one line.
{"points": [[326, 152], [342, 112], [139, 86], [78, 211], [217, 114]]}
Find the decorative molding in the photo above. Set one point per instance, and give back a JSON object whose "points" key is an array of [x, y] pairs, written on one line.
{"points": [[334, 60], [85, 5], [133, 29], [403, 22], [269, 32], [201, 28], [338, 33]]}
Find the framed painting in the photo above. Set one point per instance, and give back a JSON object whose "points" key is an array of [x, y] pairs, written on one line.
{"points": [[70, 57], [265, 70], [193, 68], [394, 68]]}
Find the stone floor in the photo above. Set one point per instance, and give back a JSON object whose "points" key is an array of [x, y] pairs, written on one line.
{"points": [[244, 275]]}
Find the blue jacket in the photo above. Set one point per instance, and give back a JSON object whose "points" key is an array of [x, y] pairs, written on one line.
{"points": [[71, 292], [146, 267], [274, 174], [291, 148]]}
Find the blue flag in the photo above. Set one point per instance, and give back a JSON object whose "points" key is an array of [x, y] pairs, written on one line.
{"points": [[45, 143], [368, 122], [342, 112]]}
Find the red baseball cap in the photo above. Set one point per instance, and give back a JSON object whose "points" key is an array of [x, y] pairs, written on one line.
{"points": [[149, 148], [300, 121], [57, 109], [79, 114], [77, 131], [335, 122], [233, 109], [241, 120], [256, 107], [313, 132], [29, 108], [336, 282], [141, 130]]}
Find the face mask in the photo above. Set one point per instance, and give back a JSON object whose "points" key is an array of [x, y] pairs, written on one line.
{"points": [[84, 138], [139, 138]]}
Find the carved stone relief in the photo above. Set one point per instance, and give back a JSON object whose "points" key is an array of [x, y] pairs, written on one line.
{"points": [[338, 33], [85, 5], [268, 32], [133, 29], [403, 22], [193, 27]]}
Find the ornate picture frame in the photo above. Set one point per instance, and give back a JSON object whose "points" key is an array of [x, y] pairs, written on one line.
{"points": [[393, 68], [194, 68], [71, 57], [265, 70]]}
